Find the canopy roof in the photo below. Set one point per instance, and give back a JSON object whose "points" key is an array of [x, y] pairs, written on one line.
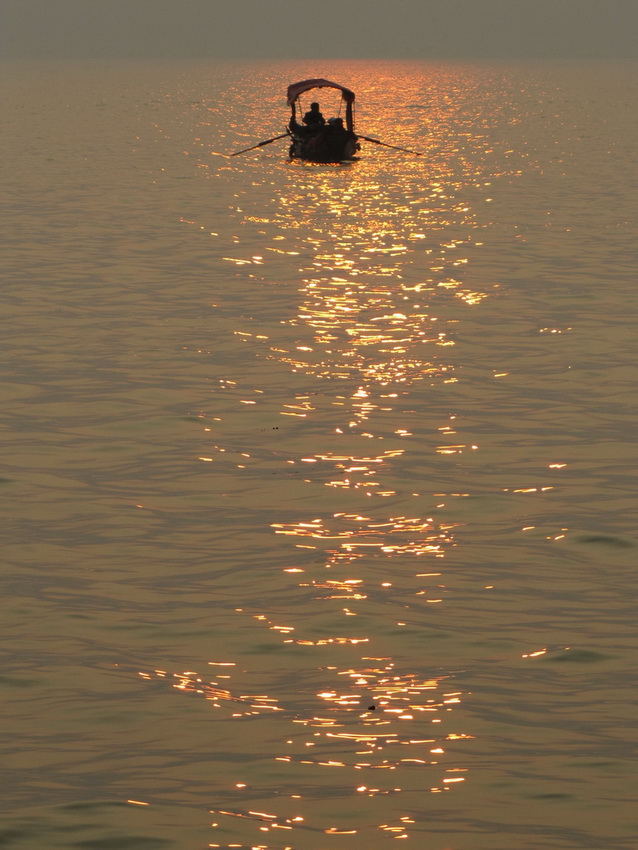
{"points": [[296, 89]]}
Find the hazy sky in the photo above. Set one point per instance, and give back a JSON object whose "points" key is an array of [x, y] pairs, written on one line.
{"points": [[243, 29]]}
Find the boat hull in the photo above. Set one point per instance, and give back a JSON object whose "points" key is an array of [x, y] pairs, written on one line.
{"points": [[324, 148]]}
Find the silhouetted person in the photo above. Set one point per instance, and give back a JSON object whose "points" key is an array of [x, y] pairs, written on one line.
{"points": [[336, 136], [313, 119]]}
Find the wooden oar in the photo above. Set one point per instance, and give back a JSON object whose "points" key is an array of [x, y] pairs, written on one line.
{"points": [[261, 144], [394, 147]]}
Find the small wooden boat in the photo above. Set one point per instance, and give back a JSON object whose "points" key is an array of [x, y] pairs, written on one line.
{"points": [[313, 138], [316, 140]]}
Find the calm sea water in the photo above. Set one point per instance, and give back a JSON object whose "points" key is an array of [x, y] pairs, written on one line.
{"points": [[319, 481]]}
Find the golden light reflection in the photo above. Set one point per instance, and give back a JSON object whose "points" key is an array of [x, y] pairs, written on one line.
{"points": [[379, 263], [358, 536], [242, 705], [376, 283], [372, 723]]}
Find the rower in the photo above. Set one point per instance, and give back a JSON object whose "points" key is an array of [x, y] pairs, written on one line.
{"points": [[313, 119]]}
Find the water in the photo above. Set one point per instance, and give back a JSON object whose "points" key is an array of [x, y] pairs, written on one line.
{"points": [[319, 518]]}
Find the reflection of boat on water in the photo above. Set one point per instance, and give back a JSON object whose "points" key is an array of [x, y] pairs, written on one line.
{"points": [[332, 141]]}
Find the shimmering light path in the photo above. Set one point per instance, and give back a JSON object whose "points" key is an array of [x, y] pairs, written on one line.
{"points": [[325, 469]]}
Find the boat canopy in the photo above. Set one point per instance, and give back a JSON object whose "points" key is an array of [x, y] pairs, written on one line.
{"points": [[297, 89]]}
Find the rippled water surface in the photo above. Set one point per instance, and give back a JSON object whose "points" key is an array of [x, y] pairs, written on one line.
{"points": [[319, 481]]}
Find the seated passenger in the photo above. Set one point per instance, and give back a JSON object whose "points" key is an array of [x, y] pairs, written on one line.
{"points": [[337, 130], [313, 119], [337, 138]]}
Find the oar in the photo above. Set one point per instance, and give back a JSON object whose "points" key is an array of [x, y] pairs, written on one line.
{"points": [[394, 147], [261, 144]]}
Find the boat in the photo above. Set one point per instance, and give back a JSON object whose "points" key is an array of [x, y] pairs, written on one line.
{"points": [[316, 140], [319, 140]]}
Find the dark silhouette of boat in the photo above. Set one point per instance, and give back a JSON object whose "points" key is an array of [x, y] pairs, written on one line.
{"points": [[316, 140], [331, 141]]}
